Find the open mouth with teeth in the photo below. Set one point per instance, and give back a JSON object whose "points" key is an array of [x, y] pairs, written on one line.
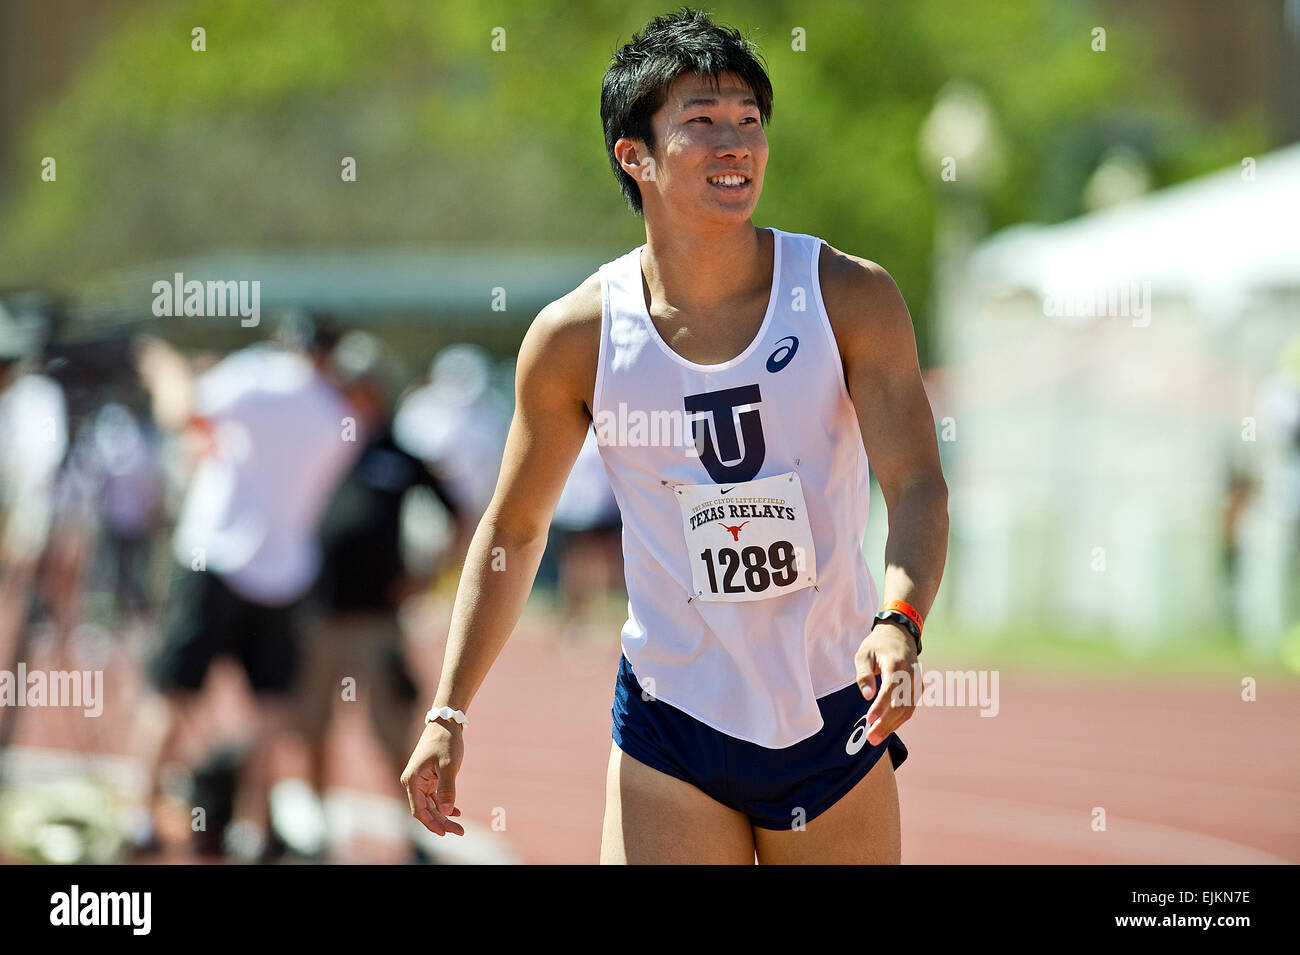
{"points": [[730, 182]]}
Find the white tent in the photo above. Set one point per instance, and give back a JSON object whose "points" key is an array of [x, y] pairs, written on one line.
{"points": [[1214, 239]]}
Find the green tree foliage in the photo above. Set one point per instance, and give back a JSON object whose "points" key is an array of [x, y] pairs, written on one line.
{"points": [[163, 151]]}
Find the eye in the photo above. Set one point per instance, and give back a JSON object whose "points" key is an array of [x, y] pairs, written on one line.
{"points": [[698, 118]]}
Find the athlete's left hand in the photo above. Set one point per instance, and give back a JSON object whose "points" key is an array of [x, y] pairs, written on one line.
{"points": [[890, 652]]}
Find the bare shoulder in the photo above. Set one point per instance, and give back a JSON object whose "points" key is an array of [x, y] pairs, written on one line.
{"points": [[575, 311], [863, 303], [562, 345]]}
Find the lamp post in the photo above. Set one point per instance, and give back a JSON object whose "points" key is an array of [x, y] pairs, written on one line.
{"points": [[961, 153]]}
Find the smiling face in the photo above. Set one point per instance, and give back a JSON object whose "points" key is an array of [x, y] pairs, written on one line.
{"points": [[709, 156]]}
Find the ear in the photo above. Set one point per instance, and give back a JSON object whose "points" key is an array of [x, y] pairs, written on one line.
{"points": [[635, 159]]}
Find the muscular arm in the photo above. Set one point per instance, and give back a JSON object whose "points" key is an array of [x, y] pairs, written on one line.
{"points": [[874, 332], [554, 375]]}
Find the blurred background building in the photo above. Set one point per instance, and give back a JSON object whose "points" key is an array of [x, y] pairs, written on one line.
{"points": [[1113, 381]]}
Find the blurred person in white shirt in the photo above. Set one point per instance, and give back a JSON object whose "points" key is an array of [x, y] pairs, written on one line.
{"points": [[33, 442], [279, 436]]}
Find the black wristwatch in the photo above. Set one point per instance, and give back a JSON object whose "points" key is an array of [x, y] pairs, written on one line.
{"points": [[893, 616]]}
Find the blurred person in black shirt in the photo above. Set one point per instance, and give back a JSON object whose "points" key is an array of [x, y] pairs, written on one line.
{"points": [[353, 648]]}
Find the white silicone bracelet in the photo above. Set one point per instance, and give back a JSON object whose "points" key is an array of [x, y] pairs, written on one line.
{"points": [[447, 713]]}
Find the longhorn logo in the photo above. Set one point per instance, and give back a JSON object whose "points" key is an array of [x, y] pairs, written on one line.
{"points": [[735, 531]]}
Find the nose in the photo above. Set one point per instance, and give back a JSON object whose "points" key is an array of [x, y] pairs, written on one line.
{"points": [[731, 141]]}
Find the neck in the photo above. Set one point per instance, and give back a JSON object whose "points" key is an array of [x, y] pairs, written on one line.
{"points": [[697, 272]]}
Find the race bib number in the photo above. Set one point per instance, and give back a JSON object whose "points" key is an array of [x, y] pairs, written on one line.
{"points": [[747, 541]]}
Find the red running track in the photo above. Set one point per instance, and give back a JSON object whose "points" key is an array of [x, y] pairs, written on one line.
{"points": [[1183, 775]]}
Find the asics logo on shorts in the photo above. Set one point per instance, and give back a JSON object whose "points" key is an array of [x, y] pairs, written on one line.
{"points": [[858, 738]]}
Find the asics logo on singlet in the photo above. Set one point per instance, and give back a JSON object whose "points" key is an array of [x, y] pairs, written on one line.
{"points": [[714, 415], [781, 357], [858, 738]]}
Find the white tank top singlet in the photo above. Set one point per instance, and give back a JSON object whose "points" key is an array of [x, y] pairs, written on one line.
{"points": [[744, 491]]}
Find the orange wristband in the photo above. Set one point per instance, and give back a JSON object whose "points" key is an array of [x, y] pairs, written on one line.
{"points": [[907, 610]]}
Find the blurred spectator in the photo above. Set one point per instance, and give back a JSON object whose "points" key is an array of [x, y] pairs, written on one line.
{"points": [[1236, 498], [96, 377], [1280, 418], [353, 649], [33, 437], [586, 531], [128, 462], [245, 547], [74, 520], [116, 465], [457, 424], [33, 441]]}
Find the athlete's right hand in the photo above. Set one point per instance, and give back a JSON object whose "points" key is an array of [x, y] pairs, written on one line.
{"points": [[430, 778]]}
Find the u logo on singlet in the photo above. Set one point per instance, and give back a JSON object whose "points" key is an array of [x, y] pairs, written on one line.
{"points": [[720, 444]]}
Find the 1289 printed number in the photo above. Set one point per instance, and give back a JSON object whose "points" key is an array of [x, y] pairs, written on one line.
{"points": [[781, 557]]}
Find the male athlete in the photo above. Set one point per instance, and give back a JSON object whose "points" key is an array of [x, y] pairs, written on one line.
{"points": [[749, 718]]}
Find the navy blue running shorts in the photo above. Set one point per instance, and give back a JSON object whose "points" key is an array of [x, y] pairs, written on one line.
{"points": [[775, 788]]}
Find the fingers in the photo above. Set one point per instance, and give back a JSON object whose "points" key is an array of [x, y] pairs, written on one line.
{"points": [[445, 802], [426, 810], [880, 730], [867, 670], [885, 698], [446, 795], [431, 798], [418, 801], [429, 817], [895, 705], [405, 781]]}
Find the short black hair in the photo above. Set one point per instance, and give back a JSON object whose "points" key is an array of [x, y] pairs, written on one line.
{"points": [[641, 72]]}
